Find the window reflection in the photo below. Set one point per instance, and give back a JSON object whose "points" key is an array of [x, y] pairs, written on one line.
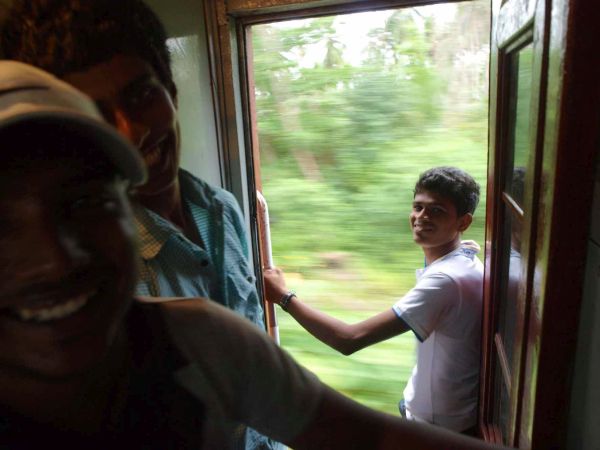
{"points": [[502, 406], [519, 114]]}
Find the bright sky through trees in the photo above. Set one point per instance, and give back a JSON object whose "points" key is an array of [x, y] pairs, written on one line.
{"points": [[352, 30]]}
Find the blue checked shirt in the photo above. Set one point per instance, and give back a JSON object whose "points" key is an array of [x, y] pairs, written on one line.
{"points": [[173, 265]]}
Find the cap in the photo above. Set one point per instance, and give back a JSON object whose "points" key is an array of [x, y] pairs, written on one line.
{"points": [[28, 94]]}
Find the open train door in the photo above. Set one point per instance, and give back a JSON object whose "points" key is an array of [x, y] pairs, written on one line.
{"points": [[544, 116]]}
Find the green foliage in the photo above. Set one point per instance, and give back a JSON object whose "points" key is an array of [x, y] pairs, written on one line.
{"points": [[310, 217]]}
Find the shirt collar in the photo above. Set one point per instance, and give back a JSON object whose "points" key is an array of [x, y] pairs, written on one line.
{"points": [[153, 231], [195, 191], [464, 249]]}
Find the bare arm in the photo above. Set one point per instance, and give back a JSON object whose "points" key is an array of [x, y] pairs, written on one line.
{"points": [[239, 374], [341, 423], [343, 337]]}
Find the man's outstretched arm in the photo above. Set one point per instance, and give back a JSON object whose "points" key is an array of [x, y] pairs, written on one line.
{"points": [[341, 423], [240, 374], [343, 337]]}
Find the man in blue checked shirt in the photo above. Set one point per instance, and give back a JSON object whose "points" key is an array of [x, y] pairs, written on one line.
{"points": [[193, 241]]}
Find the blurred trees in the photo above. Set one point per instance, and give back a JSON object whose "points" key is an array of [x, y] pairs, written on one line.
{"points": [[351, 139]]}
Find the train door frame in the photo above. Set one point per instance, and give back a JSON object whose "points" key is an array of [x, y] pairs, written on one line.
{"points": [[571, 112]]}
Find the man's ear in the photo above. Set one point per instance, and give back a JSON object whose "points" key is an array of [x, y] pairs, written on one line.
{"points": [[465, 221]]}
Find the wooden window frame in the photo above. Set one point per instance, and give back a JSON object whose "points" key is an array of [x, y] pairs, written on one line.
{"points": [[562, 185], [496, 215]]}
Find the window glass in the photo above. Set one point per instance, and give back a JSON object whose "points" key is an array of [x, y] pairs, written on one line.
{"points": [[502, 406], [199, 151], [519, 114], [511, 288], [520, 95]]}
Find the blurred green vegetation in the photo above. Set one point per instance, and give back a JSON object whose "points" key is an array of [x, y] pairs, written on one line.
{"points": [[341, 147]]}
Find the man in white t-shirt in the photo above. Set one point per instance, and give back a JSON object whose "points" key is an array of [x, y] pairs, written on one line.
{"points": [[443, 309]]}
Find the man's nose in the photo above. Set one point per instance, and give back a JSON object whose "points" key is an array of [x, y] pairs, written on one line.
{"points": [[53, 253], [421, 213], [134, 130]]}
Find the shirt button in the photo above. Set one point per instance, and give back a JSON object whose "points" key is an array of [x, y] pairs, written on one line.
{"points": [[250, 278], [204, 263]]}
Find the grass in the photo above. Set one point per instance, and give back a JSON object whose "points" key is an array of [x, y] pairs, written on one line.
{"points": [[375, 376]]}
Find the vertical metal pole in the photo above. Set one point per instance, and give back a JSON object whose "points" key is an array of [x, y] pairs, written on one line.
{"points": [[267, 259]]}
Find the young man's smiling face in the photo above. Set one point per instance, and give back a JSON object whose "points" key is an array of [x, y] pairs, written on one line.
{"points": [[130, 95], [435, 223], [67, 265]]}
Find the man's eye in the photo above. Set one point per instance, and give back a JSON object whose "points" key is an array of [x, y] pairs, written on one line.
{"points": [[143, 96], [417, 208]]}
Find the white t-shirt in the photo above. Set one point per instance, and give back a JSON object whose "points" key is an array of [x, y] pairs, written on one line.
{"points": [[444, 312], [238, 373]]}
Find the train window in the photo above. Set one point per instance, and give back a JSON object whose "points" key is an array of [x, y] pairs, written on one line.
{"points": [[190, 71], [520, 145], [349, 110], [512, 295]]}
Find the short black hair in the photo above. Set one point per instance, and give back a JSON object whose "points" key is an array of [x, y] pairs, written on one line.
{"points": [[66, 36], [452, 183]]}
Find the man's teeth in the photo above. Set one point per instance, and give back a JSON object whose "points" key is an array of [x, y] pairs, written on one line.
{"points": [[153, 156], [53, 312], [422, 228]]}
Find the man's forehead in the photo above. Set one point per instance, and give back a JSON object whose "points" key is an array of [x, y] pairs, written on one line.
{"points": [[425, 196], [109, 78]]}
